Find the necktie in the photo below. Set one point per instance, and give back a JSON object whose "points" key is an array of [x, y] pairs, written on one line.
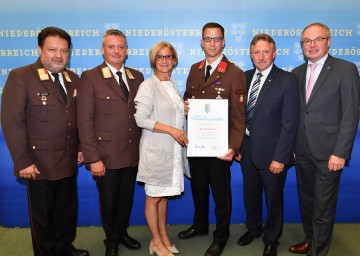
{"points": [[252, 100], [208, 68], [310, 85], [59, 86], [123, 85]]}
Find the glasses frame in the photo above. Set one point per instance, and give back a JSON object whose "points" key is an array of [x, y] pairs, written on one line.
{"points": [[216, 39], [166, 57], [317, 40]]}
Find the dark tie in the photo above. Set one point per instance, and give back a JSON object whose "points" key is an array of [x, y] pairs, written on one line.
{"points": [[123, 85], [208, 68], [252, 100], [59, 86]]}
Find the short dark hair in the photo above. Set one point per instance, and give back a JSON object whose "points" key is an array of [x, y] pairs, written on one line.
{"points": [[53, 31], [262, 37], [213, 25]]}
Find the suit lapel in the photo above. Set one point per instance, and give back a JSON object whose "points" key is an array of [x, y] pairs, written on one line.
{"points": [[47, 83], [216, 74], [328, 66], [302, 82], [160, 87], [265, 88], [111, 82]]}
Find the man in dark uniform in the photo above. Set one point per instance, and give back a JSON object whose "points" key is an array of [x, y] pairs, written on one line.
{"points": [[211, 78], [38, 115], [110, 137]]}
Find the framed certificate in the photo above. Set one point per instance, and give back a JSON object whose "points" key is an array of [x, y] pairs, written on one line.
{"points": [[207, 127]]}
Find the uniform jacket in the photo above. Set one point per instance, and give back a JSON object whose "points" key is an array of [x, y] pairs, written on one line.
{"points": [[38, 127], [153, 105], [107, 126], [329, 121], [231, 80], [275, 118]]}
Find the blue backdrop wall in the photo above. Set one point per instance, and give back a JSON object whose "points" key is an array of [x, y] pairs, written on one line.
{"points": [[178, 22]]}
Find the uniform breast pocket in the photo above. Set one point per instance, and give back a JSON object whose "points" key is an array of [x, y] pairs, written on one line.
{"points": [[40, 109], [108, 104]]}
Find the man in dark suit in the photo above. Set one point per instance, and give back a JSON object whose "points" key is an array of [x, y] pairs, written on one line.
{"points": [[226, 81], [272, 118], [329, 116], [110, 137], [39, 124]]}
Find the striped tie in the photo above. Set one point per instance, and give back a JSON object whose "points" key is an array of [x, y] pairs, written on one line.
{"points": [[252, 100]]}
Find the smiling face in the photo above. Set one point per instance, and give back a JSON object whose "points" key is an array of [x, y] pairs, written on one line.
{"points": [[212, 43], [114, 50], [165, 62], [317, 49], [54, 54], [262, 54]]}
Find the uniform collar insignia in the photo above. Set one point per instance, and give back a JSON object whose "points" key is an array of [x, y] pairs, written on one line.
{"points": [[222, 67], [43, 74], [106, 72], [202, 64], [67, 77], [128, 72]]}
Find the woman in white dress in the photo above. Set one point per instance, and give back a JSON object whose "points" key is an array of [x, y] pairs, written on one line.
{"points": [[160, 112]]}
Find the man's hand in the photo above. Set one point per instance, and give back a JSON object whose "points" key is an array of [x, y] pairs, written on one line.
{"points": [[336, 163], [276, 167], [80, 157], [238, 157], [29, 172], [228, 156], [97, 169]]}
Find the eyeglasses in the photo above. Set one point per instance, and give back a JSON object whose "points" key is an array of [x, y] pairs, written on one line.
{"points": [[166, 57], [216, 39], [317, 40]]}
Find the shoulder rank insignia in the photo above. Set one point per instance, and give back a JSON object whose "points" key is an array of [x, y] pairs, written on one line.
{"points": [[67, 77], [222, 67], [128, 72], [43, 74], [106, 72], [202, 64]]}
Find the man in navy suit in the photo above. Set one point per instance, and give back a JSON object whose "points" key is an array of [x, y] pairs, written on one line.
{"points": [[272, 118], [329, 116]]}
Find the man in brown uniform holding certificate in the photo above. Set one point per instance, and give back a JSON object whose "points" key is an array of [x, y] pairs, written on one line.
{"points": [[215, 76]]}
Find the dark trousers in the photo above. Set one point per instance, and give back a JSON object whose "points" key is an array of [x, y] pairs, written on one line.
{"points": [[116, 195], [255, 182], [53, 209], [211, 171], [318, 190]]}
